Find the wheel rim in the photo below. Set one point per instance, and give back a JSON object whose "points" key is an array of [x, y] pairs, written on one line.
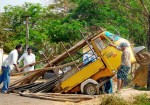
{"points": [[91, 90]]}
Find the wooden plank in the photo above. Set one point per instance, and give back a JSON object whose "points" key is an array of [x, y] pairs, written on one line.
{"points": [[72, 50], [49, 98], [48, 68]]}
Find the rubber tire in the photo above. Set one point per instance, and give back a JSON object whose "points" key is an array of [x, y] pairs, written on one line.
{"points": [[147, 56], [93, 86]]}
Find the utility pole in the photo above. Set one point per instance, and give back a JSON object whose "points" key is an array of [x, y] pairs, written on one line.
{"points": [[27, 32], [65, 6]]}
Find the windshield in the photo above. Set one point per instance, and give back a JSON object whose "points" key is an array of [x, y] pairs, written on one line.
{"points": [[112, 36]]}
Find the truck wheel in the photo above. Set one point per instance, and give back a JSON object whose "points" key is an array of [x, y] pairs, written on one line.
{"points": [[91, 89], [143, 58]]}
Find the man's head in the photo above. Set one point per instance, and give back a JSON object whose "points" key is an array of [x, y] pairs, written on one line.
{"points": [[123, 46], [19, 48], [29, 50]]}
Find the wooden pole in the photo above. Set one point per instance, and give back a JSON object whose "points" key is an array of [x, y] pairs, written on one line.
{"points": [[48, 68], [49, 98], [22, 68], [72, 50], [69, 54], [27, 32], [58, 97]]}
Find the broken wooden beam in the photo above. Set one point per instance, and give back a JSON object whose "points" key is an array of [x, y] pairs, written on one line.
{"points": [[58, 97], [48, 68], [73, 49], [49, 98]]}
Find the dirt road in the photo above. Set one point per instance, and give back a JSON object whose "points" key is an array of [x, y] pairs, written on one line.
{"points": [[14, 99]]}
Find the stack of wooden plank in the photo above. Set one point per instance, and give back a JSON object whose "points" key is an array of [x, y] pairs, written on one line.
{"points": [[58, 97]]}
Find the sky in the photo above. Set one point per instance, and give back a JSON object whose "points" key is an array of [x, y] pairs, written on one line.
{"points": [[20, 2]]}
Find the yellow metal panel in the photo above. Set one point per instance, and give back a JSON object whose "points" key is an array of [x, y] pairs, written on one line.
{"points": [[82, 75], [112, 57], [102, 73]]}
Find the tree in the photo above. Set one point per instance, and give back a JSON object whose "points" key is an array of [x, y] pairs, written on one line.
{"points": [[137, 12], [13, 22]]}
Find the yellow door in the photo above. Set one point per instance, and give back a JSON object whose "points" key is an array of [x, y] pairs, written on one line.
{"points": [[110, 55], [82, 75]]}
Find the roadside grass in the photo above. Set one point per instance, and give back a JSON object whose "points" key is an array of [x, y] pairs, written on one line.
{"points": [[116, 100], [141, 88], [141, 100]]}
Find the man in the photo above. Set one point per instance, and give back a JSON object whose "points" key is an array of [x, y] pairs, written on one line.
{"points": [[28, 58], [108, 87], [7, 65], [125, 65]]}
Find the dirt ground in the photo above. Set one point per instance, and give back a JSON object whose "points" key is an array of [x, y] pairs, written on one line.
{"points": [[15, 99]]}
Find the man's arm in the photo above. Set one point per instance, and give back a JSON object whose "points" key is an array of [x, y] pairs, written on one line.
{"points": [[14, 60], [117, 47], [17, 68]]}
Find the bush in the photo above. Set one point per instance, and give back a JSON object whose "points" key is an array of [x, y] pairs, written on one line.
{"points": [[113, 100], [141, 100]]}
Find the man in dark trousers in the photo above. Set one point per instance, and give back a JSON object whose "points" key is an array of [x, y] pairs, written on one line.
{"points": [[9, 64]]}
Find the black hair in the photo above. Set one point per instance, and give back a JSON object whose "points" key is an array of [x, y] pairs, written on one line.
{"points": [[18, 46], [29, 48]]}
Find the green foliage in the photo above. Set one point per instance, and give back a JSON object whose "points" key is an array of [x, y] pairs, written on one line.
{"points": [[54, 24], [116, 100], [15, 27], [141, 100], [113, 100], [64, 31]]}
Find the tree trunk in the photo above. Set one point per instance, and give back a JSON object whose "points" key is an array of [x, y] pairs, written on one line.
{"points": [[148, 78]]}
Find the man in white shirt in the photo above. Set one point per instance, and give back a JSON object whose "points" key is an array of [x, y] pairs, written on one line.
{"points": [[28, 58], [7, 65]]}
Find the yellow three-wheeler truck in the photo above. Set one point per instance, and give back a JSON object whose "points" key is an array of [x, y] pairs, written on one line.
{"points": [[89, 77]]}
